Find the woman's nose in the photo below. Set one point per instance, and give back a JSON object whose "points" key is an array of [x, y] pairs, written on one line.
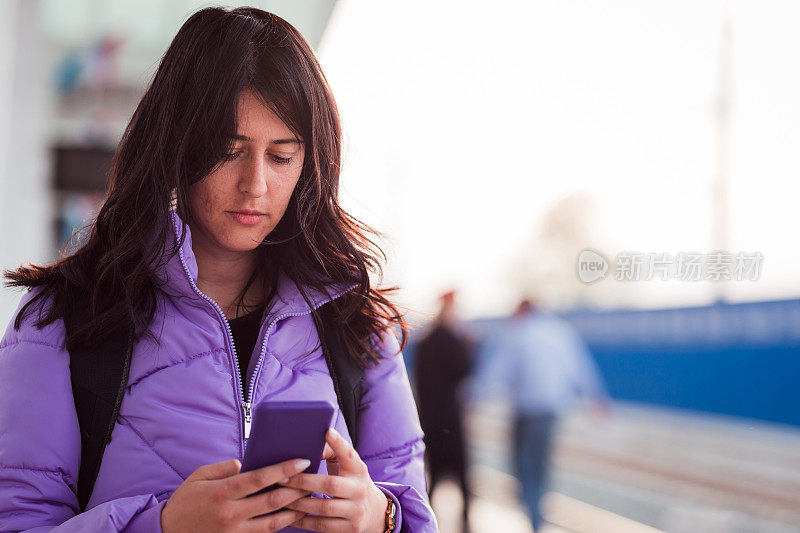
{"points": [[254, 180]]}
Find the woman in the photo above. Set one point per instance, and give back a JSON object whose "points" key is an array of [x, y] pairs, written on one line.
{"points": [[239, 117]]}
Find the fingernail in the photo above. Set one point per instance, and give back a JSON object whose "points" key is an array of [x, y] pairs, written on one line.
{"points": [[334, 433], [302, 464], [284, 480]]}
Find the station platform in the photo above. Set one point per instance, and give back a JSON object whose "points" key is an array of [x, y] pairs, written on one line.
{"points": [[641, 469]]}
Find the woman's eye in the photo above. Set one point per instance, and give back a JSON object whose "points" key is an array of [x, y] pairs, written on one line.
{"points": [[282, 160]]}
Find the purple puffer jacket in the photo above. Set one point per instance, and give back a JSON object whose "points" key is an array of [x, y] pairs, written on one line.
{"points": [[184, 408]]}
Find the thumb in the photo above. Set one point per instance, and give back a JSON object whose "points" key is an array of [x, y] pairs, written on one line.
{"points": [[332, 462], [327, 452], [219, 470], [347, 457]]}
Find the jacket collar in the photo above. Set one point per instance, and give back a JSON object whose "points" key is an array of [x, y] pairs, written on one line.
{"points": [[179, 278]]}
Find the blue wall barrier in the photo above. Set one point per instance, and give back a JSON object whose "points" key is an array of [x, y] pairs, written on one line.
{"points": [[739, 359]]}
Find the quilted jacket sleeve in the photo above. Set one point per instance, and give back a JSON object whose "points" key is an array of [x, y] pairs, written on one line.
{"points": [[40, 443], [390, 439]]}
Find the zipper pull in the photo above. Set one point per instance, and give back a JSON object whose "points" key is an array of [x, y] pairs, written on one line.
{"points": [[247, 419]]}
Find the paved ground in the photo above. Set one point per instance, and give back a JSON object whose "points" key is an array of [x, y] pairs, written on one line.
{"points": [[640, 470], [494, 509]]}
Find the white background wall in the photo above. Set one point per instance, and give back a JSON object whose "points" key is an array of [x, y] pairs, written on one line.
{"points": [[25, 200]]}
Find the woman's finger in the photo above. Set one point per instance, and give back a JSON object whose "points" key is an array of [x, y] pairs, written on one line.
{"points": [[336, 486], [328, 453], [331, 461], [247, 483], [331, 507], [349, 460], [269, 501], [273, 522], [323, 523]]}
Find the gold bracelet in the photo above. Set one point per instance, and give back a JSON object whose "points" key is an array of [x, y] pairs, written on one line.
{"points": [[391, 509]]}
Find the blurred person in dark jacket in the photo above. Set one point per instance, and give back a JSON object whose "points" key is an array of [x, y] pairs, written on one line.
{"points": [[542, 362], [443, 361]]}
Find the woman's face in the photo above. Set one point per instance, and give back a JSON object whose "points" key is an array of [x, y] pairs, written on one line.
{"points": [[258, 173]]}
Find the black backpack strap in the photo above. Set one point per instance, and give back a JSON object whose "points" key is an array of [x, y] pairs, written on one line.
{"points": [[99, 376], [345, 373], [347, 376]]}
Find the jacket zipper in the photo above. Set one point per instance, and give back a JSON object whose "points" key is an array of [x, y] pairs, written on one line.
{"points": [[246, 405], [254, 377], [246, 415]]}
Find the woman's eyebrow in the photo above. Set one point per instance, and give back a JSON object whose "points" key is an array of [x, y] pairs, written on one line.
{"points": [[240, 137]]}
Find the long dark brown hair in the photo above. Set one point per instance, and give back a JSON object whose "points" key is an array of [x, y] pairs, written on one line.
{"points": [[178, 134]]}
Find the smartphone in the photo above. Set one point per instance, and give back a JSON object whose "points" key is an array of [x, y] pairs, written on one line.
{"points": [[287, 430]]}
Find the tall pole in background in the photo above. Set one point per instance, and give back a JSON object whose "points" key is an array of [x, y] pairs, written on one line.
{"points": [[720, 239]]}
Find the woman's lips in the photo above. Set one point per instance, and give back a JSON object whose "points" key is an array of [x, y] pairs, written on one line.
{"points": [[247, 220]]}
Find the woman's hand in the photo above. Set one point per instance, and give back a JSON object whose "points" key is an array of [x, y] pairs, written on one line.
{"points": [[357, 506], [215, 498]]}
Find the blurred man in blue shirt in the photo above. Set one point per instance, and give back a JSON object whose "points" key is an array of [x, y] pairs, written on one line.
{"points": [[542, 363]]}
